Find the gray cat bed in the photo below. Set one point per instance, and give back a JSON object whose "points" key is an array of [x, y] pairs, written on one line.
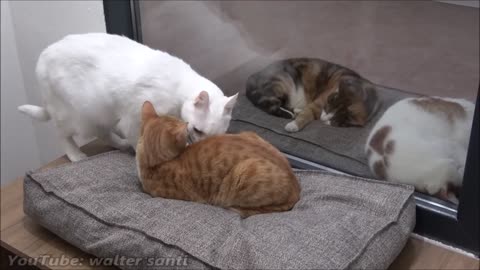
{"points": [[340, 222], [341, 148]]}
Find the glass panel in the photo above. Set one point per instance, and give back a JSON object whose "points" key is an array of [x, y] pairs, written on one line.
{"points": [[422, 47]]}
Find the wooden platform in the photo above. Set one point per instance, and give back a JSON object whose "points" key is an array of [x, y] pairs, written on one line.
{"points": [[22, 236]]}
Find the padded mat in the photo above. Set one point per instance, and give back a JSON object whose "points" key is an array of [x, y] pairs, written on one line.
{"points": [[340, 222], [341, 148]]}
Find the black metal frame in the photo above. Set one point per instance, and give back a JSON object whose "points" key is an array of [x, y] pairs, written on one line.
{"points": [[436, 219], [122, 18], [469, 207]]}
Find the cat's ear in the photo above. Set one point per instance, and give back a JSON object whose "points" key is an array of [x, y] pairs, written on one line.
{"points": [[148, 111], [230, 104], [182, 135], [202, 101]]}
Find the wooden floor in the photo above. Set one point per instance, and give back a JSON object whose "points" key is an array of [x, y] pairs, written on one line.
{"points": [[22, 236], [419, 254]]}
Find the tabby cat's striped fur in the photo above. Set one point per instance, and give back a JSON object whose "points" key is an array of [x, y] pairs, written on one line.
{"points": [[241, 172], [307, 89]]}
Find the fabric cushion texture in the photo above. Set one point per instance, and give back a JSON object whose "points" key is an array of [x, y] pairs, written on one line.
{"points": [[341, 148], [340, 222]]}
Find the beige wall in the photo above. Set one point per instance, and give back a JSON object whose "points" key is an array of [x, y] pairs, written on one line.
{"points": [[422, 46]]}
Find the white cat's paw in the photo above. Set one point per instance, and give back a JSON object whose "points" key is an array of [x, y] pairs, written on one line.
{"points": [[292, 127], [76, 157], [297, 111]]}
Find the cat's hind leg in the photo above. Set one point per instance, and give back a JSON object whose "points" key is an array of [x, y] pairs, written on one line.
{"points": [[438, 176], [66, 130], [113, 136], [115, 140], [71, 149], [256, 186]]}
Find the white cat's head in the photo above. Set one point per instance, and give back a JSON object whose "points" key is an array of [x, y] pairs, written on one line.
{"points": [[207, 116]]}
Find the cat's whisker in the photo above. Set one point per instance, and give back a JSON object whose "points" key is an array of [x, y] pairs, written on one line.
{"points": [[289, 112]]}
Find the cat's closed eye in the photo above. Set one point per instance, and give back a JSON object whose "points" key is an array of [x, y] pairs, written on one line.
{"points": [[199, 132], [332, 98]]}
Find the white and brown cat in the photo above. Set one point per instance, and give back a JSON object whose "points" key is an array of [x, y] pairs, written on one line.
{"points": [[423, 142], [241, 172]]}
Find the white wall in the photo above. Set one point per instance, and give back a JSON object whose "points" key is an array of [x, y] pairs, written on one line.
{"points": [[33, 26], [19, 147]]}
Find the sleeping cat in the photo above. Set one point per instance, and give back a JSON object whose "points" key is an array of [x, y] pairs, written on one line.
{"points": [[241, 172], [94, 84], [423, 142], [308, 89]]}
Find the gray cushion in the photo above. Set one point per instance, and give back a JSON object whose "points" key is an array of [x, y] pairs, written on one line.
{"points": [[340, 222], [334, 147]]}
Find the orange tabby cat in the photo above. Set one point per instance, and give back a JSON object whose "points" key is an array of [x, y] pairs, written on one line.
{"points": [[241, 172]]}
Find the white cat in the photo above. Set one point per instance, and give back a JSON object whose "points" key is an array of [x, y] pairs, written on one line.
{"points": [[422, 142], [95, 84]]}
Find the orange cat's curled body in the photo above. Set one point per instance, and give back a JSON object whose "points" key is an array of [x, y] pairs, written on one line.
{"points": [[241, 172]]}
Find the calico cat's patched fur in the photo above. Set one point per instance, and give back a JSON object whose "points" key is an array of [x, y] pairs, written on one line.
{"points": [[308, 89], [423, 142], [93, 85], [241, 172]]}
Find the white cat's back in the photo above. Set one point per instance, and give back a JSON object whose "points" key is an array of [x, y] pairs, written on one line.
{"points": [[95, 76], [407, 117], [112, 57]]}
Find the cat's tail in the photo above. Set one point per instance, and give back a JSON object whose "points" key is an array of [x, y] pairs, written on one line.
{"points": [[36, 112]]}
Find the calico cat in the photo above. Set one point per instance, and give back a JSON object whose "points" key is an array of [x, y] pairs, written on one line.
{"points": [[241, 172], [308, 89], [93, 85], [423, 142]]}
